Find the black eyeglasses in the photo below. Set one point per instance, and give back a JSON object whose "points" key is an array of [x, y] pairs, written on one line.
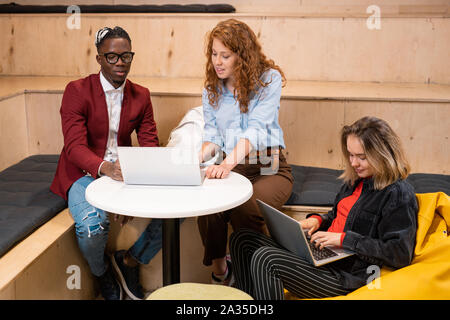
{"points": [[112, 57]]}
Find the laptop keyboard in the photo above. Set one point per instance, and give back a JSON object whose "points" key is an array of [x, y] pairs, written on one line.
{"points": [[319, 254]]}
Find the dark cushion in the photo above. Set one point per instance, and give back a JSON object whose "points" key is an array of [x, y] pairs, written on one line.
{"points": [[427, 182], [26, 201], [318, 186], [169, 8], [314, 186]]}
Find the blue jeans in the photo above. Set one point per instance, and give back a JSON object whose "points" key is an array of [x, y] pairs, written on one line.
{"points": [[92, 227]]}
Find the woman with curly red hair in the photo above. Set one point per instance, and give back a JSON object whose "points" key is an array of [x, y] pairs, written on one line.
{"points": [[241, 101]]}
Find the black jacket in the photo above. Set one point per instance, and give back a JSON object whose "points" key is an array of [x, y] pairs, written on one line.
{"points": [[380, 229]]}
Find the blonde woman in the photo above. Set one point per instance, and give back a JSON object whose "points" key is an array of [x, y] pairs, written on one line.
{"points": [[374, 215], [241, 101]]}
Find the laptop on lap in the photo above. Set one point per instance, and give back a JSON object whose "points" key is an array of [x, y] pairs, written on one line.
{"points": [[168, 166], [288, 233]]}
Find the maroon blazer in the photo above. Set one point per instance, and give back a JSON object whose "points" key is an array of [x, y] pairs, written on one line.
{"points": [[85, 126]]}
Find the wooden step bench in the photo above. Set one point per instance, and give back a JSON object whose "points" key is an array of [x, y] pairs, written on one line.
{"points": [[39, 255], [46, 264]]}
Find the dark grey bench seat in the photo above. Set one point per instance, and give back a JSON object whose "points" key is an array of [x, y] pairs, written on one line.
{"points": [[26, 201], [315, 186]]}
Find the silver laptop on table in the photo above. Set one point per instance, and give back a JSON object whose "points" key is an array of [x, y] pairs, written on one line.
{"points": [[288, 233], [160, 166]]}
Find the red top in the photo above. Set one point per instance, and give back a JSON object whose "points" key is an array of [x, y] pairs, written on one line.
{"points": [[343, 208]]}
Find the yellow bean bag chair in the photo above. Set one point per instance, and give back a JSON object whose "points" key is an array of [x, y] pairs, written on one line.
{"points": [[428, 276]]}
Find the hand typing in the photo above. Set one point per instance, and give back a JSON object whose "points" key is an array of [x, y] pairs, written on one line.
{"points": [[112, 170], [322, 239], [310, 224]]}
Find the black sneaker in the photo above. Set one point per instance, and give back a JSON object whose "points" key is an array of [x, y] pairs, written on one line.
{"points": [[128, 276], [110, 288]]}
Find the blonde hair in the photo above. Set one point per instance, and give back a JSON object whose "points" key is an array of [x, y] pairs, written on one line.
{"points": [[382, 148], [250, 65]]}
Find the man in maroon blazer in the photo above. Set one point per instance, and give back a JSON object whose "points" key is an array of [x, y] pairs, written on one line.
{"points": [[98, 114]]}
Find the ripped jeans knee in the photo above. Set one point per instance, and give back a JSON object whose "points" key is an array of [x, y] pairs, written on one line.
{"points": [[91, 226], [94, 222], [89, 220]]}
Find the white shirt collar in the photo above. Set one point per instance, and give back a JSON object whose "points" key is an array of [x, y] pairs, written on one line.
{"points": [[107, 86]]}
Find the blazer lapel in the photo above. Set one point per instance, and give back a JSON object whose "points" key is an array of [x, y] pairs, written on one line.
{"points": [[100, 102], [124, 109]]}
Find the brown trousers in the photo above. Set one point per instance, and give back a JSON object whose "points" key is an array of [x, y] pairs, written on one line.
{"points": [[273, 189]]}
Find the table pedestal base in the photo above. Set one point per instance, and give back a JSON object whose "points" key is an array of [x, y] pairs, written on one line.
{"points": [[171, 251]]}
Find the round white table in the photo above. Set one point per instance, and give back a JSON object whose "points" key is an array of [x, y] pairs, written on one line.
{"points": [[169, 203]]}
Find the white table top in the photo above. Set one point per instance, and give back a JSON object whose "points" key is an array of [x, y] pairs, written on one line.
{"points": [[214, 195]]}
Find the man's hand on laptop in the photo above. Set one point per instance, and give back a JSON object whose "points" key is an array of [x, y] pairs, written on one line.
{"points": [[112, 170]]}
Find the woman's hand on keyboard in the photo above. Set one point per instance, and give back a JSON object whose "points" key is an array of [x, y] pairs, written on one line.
{"points": [[310, 224], [322, 239]]}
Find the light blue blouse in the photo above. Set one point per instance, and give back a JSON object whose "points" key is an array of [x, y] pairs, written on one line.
{"points": [[226, 125]]}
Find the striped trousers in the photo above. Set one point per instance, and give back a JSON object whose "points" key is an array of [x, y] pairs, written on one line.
{"points": [[263, 269]]}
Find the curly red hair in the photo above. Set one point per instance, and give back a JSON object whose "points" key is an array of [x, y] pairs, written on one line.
{"points": [[250, 65]]}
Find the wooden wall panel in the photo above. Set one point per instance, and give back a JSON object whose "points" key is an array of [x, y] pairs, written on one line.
{"points": [[169, 110], [424, 129], [44, 123], [310, 48], [13, 131], [311, 129], [8, 292]]}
